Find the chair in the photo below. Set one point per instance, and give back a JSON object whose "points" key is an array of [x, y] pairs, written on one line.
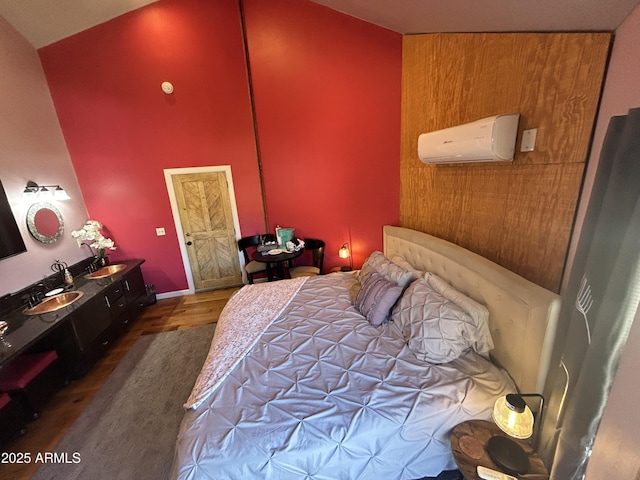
{"points": [[316, 247], [12, 418], [32, 379], [247, 245]]}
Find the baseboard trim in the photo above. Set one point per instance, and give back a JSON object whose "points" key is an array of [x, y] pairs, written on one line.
{"points": [[176, 293]]}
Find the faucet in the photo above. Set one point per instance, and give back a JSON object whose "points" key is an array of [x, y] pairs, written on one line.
{"points": [[36, 294]]}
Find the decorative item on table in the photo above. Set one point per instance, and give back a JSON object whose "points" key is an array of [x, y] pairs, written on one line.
{"points": [[295, 245], [284, 235], [90, 232], [265, 246], [514, 417]]}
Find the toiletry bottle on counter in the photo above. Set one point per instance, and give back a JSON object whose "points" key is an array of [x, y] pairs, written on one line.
{"points": [[67, 277]]}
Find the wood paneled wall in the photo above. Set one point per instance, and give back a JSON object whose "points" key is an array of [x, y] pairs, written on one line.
{"points": [[517, 214]]}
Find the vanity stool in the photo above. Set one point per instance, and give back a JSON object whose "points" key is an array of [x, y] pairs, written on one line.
{"points": [[12, 418], [31, 379]]}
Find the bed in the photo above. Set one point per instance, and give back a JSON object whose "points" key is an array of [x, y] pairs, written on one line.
{"points": [[306, 378]]}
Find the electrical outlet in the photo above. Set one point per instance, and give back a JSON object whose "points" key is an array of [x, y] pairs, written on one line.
{"points": [[160, 232], [528, 143]]}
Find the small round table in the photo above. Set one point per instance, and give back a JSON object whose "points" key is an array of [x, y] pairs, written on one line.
{"points": [[276, 261], [469, 446]]}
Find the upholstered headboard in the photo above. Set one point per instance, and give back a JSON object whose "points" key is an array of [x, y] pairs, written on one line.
{"points": [[523, 315]]}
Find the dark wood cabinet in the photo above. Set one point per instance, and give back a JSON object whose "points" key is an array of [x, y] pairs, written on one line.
{"points": [[89, 321], [95, 325], [116, 301], [135, 292]]}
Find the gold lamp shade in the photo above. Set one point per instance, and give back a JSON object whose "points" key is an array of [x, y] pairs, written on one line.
{"points": [[513, 416]]}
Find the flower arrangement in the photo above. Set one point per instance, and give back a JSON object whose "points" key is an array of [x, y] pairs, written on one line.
{"points": [[90, 232]]}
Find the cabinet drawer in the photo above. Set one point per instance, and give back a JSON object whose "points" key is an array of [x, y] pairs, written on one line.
{"points": [[98, 347], [134, 285], [89, 322], [117, 306], [136, 308], [121, 323], [113, 293]]}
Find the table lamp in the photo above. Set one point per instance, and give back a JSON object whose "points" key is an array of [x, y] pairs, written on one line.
{"points": [[514, 417], [344, 252]]}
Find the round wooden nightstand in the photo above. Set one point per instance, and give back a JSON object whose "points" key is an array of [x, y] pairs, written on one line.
{"points": [[468, 444]]}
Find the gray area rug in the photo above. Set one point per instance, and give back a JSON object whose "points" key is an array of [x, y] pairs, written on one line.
{"points": [[129, 429]]}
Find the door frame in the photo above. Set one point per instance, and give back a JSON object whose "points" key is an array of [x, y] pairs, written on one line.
{"points": [[168, 174]]}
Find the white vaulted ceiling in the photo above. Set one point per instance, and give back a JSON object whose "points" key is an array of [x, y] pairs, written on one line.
{"points": [[43, 22], [428, 16], [46, 21]]}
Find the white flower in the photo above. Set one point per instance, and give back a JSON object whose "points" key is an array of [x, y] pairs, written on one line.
{"points": [[91, 232]]}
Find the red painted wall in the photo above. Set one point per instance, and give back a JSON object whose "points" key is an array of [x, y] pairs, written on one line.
{"points": [[327, 95], [122, 130], [327, 98]]}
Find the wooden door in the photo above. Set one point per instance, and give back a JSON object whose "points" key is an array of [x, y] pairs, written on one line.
{"points": [[205, 214]]}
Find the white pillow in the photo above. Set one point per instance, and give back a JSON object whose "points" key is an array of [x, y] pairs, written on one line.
{"points": [[402, 263], [477, 311], [436, 329], [375, 259], [377, 262]]}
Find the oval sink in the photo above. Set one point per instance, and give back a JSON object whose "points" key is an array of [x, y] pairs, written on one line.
{"points": [[106, 271], [54, 303]]}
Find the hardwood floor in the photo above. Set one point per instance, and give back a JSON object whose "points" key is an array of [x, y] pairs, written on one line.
{"points": [[169, 314]]}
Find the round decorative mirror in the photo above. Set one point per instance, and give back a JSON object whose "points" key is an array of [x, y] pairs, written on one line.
{"points": [[45, 222]]}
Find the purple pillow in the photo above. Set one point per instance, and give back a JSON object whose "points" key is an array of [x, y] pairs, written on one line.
{"points": [[376, 297]]}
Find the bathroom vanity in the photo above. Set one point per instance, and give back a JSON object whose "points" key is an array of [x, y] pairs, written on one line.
{"points": [[82, 331]]}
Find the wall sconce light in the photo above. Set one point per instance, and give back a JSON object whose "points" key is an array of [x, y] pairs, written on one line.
{"points": [[345, 252], [514, 417], [33, 191]]}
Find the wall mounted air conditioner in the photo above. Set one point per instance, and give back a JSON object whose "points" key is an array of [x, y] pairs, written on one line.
{"points": [[492, 139]]}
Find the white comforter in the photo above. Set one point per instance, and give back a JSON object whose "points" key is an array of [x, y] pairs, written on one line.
{"points": [[324, 395]]}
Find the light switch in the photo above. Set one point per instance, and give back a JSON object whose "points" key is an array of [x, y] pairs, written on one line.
{"points": [[160, 232], [529, 140]]}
